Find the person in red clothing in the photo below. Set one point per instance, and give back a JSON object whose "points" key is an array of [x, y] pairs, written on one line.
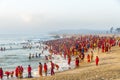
{"points": [[103, 48], [40, 69], [88, 58], [45, 69], [7, 74], [19, 72], [16, 71], [69, 59], [29, 71], [21, 68], [106, 48], [77, 62], [52, 68], [97, 60], [1, 73]]}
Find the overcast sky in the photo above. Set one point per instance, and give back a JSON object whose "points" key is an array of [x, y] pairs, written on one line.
{"points": [[33, 16]]}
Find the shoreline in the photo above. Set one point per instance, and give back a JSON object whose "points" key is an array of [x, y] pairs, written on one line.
{"points": [[65, 72], [88, 71]]}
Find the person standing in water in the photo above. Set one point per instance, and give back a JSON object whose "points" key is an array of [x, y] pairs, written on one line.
{"points": [[36, 55], [30, 56], [40, 69], [39, 55]]}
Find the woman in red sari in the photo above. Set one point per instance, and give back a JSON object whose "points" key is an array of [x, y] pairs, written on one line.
{"points": [[97, 60], [40, 69], [45, 69]]}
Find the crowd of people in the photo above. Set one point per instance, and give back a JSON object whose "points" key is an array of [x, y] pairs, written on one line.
{"points": [[36, 55], [75, 46], [19, 71], [2, 49]]}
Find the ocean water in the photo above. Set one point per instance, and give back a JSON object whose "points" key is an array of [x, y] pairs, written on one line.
{"points": [[15, 55]]}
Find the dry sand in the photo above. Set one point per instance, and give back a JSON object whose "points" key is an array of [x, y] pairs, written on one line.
{"points": [[108, 69]]}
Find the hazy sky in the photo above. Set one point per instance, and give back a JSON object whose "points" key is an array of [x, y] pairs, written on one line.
{"points": [[33, 16]]}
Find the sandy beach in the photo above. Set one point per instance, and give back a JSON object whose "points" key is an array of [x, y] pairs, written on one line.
{"points": [[59, 39], [108, 69]]}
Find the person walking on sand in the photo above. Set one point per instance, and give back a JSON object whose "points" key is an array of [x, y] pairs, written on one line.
{"points": [[40, 69], [97, 60], [45, 69], [77, 62], [88, 58], [1, 73], [52, 68], [29, 71]]}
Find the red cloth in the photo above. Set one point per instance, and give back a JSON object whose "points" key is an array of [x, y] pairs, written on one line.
{"points": [[7, 73], [88, 57], [16, 72], [29, 69], [97, 60], [57, 66], [52, 65], [45, 67], [69, 60], [77, 62], [22, 69], [1, 73]]}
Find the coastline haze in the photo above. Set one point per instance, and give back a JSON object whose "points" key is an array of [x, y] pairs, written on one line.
{"points": [[28, 16]]}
